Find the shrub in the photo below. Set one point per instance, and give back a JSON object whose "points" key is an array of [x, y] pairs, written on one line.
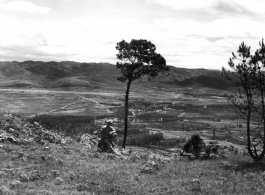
{"points": [[73, 126], [143, 138]]}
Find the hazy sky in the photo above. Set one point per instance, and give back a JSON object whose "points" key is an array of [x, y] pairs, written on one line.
{"points": [[188, 33]]}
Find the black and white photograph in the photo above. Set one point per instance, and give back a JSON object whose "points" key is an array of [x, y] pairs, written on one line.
{"points": [[132, 97]]}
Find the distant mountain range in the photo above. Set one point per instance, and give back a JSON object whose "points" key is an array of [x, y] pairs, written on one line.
{"points": [[73, 75]]}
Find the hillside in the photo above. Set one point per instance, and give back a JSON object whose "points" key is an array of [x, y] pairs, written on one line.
{"points": [[67, 74], [35, 160]]}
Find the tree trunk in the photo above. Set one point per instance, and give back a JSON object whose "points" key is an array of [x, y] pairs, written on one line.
{"points": [[126, 114], [261, 79]]}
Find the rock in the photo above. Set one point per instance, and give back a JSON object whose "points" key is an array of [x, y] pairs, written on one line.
{"points": [[55, 173], [249, 176], [58, 181], [60, 162], [15, 184], [195, 185], [30, 125], [34, 175], [146, 169], [72, 176], [36, 123], [20, 154], [66, 150], [222, 179], [67, 141], [215, 148], [46, 148], [153, 164], [214, 156], [48, 158], [111, 156], [126, 152], [214, 142], [81, 187], [23, 177], [225, 163], [96, 155], [11, 130], [149, 167], [137, 177], [89, 140], [18, 131]]}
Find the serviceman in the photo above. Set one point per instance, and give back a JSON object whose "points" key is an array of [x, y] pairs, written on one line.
{"points": [[108, 134]]}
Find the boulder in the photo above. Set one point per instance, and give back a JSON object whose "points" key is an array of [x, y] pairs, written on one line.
{"points": [[249, 176], [55, 173], [36, 124], [58, 181], [34, 175], [82, 187], [23, 177]]}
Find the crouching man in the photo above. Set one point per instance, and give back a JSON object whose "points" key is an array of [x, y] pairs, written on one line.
{"points": [[193, 146], [108, 135]]}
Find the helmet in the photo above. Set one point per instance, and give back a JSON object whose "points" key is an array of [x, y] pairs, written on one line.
{"points": [[109, 122]]}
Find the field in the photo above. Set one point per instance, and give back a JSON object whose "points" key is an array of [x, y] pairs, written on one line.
{"points": [[176, 113], [36, 102]]}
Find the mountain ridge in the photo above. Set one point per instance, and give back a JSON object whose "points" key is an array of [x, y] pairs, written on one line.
{"points": [[97, 75]]}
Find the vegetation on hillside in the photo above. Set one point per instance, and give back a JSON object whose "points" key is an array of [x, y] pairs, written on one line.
{"points": [[67, 74], [77, 169], [73, 126]]}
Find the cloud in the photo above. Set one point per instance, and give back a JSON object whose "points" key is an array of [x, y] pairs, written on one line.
{"points": [[206, 44], [180, 4], [179, 34], [217, 7], [25, 6], [233, 8]]}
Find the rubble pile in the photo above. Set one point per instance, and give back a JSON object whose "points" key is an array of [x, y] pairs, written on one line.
{"points": [[18, 130], [90, 141]]}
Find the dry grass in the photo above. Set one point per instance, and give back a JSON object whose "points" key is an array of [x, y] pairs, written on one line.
{"points": [[84, 171]]}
